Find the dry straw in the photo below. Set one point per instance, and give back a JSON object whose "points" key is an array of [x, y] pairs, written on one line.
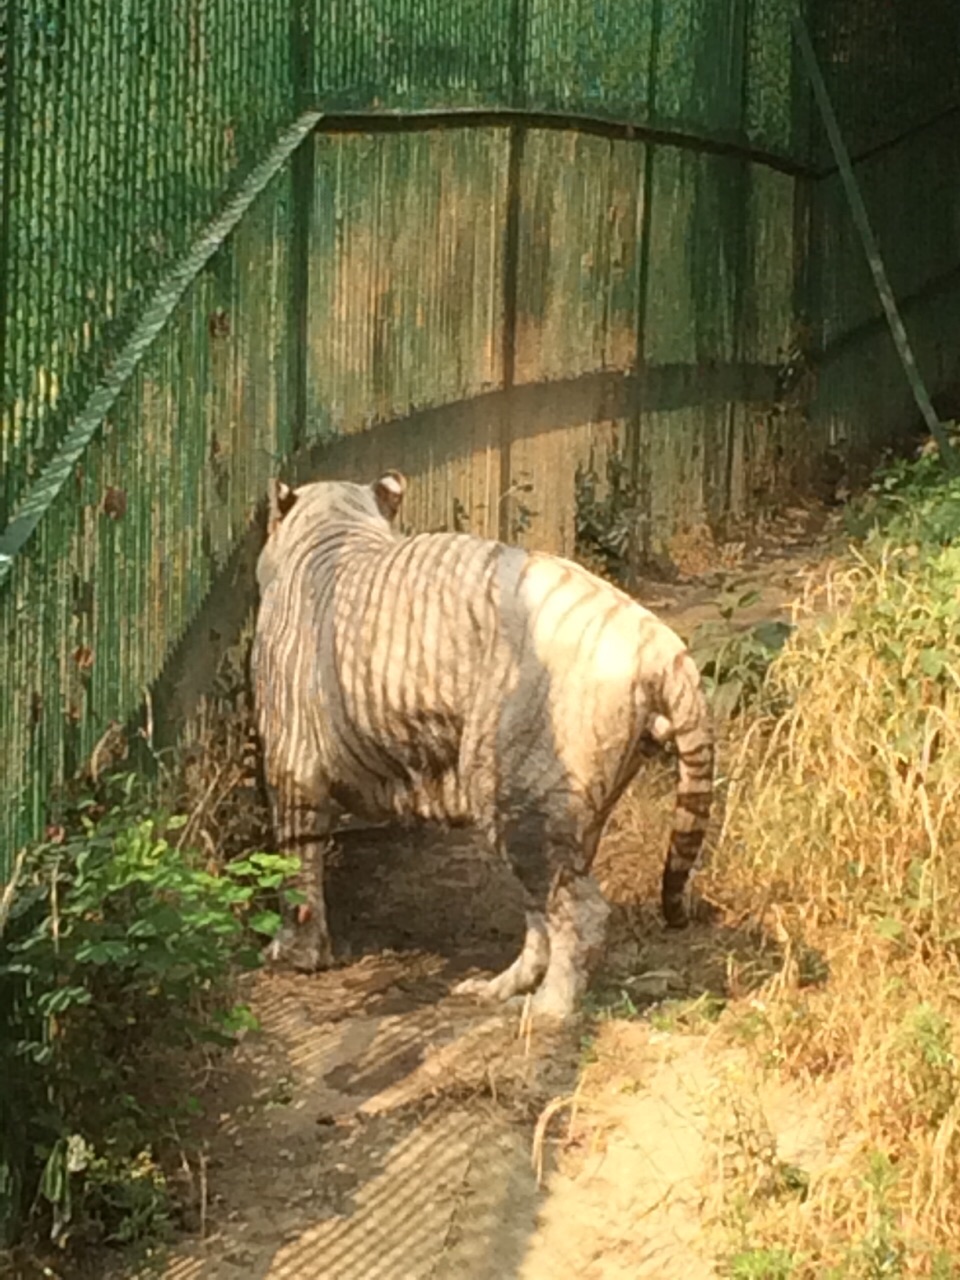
{"points": [[842, 834]]}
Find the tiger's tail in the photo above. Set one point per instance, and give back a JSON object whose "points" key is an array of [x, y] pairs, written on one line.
{"points": [[692, 733]]}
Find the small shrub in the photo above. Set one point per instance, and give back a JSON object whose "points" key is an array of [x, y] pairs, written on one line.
{"points": [[608, 514], [761, 1264], [608, 1004], [117, 964], [930, 1064], [882, 1252], [909, 501], [734, 660], [690, 1017]]}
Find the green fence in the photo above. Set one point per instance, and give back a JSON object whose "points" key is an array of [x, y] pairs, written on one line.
{"points": [[522, 234], [124, 123]]}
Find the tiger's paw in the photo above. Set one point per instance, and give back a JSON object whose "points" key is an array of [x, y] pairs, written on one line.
{"points": [[487, 990], [553, 1004]]}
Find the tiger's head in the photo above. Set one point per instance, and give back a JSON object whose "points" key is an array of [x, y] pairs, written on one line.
{"points": [[295, 511]]}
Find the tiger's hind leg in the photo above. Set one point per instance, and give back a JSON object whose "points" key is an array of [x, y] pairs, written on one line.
{"points": [[551, 849], [302, 821], [525, 972], [577, 924], [517, 836]]}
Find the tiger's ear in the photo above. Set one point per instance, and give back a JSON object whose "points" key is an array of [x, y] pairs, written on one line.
{"points": [[282, 500], [389, 491], [286, 497]]}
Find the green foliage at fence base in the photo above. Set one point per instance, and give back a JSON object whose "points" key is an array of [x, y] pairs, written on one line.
{"points": [[118, 957], [734, 660], [910, 501]]}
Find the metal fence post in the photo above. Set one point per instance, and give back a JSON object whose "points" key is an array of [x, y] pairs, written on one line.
{"points": [[743, 267], [302, 177], [8, 67], [511, 257], [861, 219], [637, 443]]}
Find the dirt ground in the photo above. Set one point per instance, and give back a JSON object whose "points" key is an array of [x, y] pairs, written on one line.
{"points": [[378, 1128]]}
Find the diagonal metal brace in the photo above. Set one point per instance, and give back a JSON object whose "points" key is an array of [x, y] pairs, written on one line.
{"points": [[858, 209]]}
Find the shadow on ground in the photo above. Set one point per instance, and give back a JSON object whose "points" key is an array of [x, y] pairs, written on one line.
{"points": [[377, 1126]]}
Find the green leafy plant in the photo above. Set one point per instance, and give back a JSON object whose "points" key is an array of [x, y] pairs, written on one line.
{"points": [[690, 1016], [614, 1003], [933, 1072], [909, 500], [733, 660], [522, 515], [761, 1264], [117, 961], [882, 1250], [607, 515]]}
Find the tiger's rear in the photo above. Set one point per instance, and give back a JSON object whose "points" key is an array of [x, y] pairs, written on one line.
{"points": [[626, 677], [463, 680]]}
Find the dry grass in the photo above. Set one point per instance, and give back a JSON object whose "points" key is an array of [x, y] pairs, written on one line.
{"points": [[215, 779], [842, 827]]}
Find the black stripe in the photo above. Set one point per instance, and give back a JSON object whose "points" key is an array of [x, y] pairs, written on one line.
{"points": [[699, 803], [685, 845]]}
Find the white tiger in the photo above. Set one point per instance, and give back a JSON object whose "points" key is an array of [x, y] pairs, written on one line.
{"points": [[459, 679]]}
